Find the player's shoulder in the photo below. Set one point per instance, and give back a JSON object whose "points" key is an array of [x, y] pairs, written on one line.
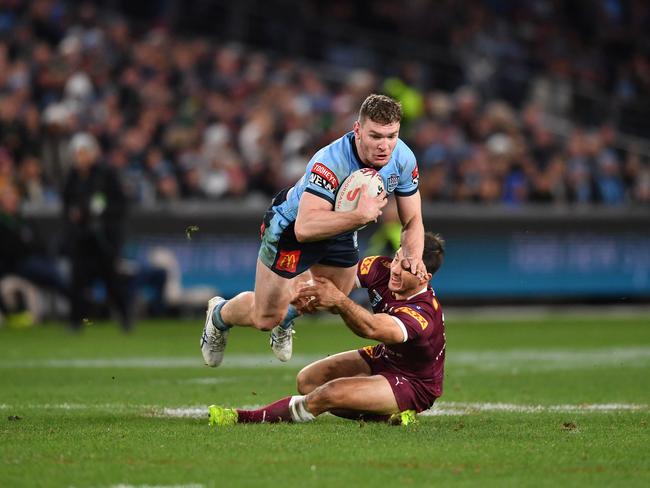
{"points": [[423, 311], [428, 298], [337, 149], [403, 153], [374, 264], [425, 303], [334, 157]]}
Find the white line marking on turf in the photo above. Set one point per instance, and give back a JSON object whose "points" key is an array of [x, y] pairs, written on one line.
{"points": [[455, 408], [486, 360], [439, 409], [207, 381], [192, 485], [183, 412], [464, 408], [231, 361], [553, 359]]}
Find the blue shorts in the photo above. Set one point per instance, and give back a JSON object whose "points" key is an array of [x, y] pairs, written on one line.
{"points": [[285, 256]]}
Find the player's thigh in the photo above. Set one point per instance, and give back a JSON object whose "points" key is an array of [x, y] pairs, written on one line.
{"points": [[372, 394], [344, 364], [343, 278], [273, 293]]}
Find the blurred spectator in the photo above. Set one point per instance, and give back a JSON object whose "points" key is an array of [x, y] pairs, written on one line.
{"points": [[31, 182], [23, 252], [492, 96], [94, 207]]}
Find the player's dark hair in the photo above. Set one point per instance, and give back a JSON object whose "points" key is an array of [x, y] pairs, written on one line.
{"points": [[380, 109], [434, 252]]}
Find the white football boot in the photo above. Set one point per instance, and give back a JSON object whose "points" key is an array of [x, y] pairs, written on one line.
{"points": [[213, 340], [282, 342]]}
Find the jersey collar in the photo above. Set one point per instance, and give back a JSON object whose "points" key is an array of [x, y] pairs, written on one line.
{"points": [[423, 290], [356, 154]]}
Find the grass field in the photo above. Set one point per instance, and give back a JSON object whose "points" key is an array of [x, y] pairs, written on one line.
{"points": [[560, 400]]}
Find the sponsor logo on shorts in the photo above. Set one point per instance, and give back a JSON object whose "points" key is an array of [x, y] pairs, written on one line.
{"points": [[409, 311], [415, 175], [288, 261], [322, 176], [372, 352], [393, 181], [364, 269]]}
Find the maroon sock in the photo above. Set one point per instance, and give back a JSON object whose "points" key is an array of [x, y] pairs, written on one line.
{"points": [[275, 412]]}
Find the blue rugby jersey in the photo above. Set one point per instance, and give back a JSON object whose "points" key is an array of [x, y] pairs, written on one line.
{"points": [[332, 164]]}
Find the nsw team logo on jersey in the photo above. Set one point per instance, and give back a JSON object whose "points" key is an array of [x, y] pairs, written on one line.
{"points": [[393, 181], [322, 176]]}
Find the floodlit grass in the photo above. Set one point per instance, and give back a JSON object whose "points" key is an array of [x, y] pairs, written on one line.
{"points": [[520, 407]]}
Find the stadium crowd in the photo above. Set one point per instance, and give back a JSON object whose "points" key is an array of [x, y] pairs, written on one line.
{"points": [[195, 117]]}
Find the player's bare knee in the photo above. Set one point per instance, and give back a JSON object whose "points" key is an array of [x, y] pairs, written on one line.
{"points": [[267, 322], [327, 396], [305, 382], [264, 325]]}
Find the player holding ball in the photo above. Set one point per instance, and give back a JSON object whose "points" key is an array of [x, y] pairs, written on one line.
{"points": [[302, 232], [390, 381]]}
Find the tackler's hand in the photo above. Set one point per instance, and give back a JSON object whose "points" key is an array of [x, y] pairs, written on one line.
{"points": [[323, 293]]}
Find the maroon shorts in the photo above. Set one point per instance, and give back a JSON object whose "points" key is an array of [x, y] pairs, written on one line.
{"points": [[410, 393]]}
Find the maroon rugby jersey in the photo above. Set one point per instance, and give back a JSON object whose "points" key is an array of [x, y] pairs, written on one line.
{"points": [[422, 356]]}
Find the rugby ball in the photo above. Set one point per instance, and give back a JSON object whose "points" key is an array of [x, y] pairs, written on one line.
{"points": [[348, 195]]}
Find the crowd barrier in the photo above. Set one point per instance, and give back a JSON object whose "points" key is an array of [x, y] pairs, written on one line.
{"points": [[493, 253]]}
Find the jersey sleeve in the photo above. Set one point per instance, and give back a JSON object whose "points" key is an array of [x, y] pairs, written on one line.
{"points": [[324, 176], [370, 269], [409, 175], [415, 321]]}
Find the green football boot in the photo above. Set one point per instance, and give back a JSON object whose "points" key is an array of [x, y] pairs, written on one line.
{"points": [[221, 416], [407, 417]]}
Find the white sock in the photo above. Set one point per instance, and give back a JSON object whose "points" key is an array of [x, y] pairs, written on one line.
{"points": [[298, 409]]}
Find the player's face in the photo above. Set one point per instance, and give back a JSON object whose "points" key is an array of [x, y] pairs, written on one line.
{"points": [[375, 142], [402, 281]]}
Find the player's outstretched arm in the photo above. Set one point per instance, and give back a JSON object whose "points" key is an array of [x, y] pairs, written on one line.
{"points": [[379, 327], [317, 220], [410, 214]]}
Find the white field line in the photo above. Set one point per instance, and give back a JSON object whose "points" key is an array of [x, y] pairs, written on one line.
{"points": [[535, 313], [439, 409], [485, 360], [191, 485], [464, 408], [549, 359], [252, 361], [207, 381]]}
